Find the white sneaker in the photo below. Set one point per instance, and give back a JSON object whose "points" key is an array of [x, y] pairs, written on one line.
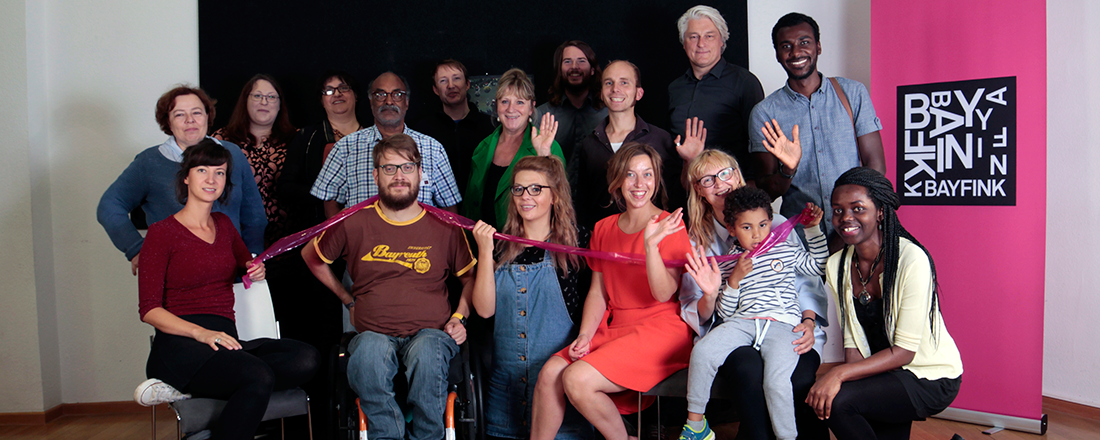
{"points": [[155, 392]]}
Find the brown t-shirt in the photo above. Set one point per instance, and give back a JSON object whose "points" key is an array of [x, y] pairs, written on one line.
{"points": [[399, 269]]}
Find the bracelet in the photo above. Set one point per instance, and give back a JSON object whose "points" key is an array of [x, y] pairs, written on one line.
{"points": [[350, 304], [789, 176], [811, 319]]}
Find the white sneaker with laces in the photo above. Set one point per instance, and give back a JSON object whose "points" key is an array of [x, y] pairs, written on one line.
{"points": [[155, 392]]}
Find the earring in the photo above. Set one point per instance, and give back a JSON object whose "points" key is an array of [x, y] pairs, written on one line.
{"points": [[880, 226]]}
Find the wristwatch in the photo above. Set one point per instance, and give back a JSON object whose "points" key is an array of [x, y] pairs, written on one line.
{"points": [[461, 319], [350, 304]]}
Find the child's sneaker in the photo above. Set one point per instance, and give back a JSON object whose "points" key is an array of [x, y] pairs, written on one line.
{"points": [[691, 434], [155, 392]]}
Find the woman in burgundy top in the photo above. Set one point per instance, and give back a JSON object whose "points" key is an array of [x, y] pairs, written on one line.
{"points": [[185, 291], [261, 126]]}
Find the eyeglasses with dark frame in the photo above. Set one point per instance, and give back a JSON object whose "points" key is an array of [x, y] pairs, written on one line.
{"points": [[342, 88], [391, 169], [397, 95], [723, 174], [533, 189], [260, 96]]}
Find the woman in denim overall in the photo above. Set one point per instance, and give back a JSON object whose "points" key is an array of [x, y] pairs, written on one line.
{"points": [[528, 290]]}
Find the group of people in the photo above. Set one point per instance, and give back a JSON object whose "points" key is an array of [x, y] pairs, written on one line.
{"points": [[574, 339]]}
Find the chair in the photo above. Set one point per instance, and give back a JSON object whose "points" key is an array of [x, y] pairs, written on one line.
{"points": [[464, 414], [255, 319], [676, 386]]}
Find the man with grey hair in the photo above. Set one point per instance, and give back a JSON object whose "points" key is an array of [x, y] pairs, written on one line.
{"points": [[347, 177], [713, 90]]}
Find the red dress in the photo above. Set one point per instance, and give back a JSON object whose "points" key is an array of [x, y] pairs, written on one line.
{"points": [[646, 341]]}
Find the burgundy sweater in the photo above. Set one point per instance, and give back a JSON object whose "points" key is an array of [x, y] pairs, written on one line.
{"points": [[186, 275]]}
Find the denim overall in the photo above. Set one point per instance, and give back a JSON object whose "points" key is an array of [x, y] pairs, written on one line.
{"points": [[532, 324]]}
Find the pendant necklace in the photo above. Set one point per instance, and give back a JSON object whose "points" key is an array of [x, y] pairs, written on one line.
{"points": [[865, 296]]}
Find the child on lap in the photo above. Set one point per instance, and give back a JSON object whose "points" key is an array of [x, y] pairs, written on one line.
{"points": [[758, 305]]}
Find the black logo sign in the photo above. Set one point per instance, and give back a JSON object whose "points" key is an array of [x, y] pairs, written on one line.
{"points": [[957, 143]]}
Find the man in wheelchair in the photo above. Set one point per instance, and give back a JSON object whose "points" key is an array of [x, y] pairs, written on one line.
{"points": [[399, 258]]}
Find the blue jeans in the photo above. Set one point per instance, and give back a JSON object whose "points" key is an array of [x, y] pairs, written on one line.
{"points": [[373, 363]]}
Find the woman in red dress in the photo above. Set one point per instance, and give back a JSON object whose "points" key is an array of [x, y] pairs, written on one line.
{"points": [[631, 335]]}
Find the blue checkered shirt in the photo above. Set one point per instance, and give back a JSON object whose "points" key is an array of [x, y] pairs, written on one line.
{"points": [[825, 131], [347, 176]]}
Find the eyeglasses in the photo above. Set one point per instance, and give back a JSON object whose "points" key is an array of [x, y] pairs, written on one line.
{"points": [[397, 95], [342, 88], [723, 174], [260, 96], [406, 168], [533, 189]]}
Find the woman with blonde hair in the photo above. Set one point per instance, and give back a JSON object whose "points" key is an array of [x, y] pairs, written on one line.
{"points": [[712, 175], [495, 157], [536, 295]]}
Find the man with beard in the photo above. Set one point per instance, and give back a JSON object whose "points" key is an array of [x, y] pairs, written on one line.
{"points": [[457, 124], [574, 98], [399, 258], [345, 179], [620, 90], [719, 93], [839, 129]]}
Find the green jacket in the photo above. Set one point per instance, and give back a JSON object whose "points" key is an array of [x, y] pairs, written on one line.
{"points": [[480, 162]]}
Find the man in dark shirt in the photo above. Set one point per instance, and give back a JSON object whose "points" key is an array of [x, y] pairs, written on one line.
{"points": [[717, 92], [621, 88], [458, 124], [574, 95]]}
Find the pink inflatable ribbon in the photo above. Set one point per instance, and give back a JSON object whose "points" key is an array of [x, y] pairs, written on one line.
{"points": [[778, 235]]}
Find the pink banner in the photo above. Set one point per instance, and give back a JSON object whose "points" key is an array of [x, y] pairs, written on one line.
{"points": [[960, 88]]}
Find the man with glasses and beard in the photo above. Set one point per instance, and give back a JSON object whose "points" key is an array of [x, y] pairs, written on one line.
{"points": [[811, 125], [399, 258], [574, 96], [345, 179]]}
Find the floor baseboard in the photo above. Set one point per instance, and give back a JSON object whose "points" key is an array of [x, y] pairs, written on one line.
{"points": [[71, 409]]}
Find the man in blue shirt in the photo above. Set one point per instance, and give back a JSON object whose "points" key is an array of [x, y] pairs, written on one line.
{"points": [[831, 130], [347, 177]]}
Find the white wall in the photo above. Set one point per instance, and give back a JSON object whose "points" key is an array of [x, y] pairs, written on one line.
{"points": [[845, 51], [1070, 358], [20, 353], [80, 84]]}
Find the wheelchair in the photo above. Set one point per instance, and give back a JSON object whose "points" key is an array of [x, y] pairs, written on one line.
{"points": [[464, 417]]}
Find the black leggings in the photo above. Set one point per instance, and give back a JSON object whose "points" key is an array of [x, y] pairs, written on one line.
{"points": [[246, 378], [745, 369], [876, 407]]}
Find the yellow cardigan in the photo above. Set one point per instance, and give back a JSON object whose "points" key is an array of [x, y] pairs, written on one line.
{"points": [[907, 326]]}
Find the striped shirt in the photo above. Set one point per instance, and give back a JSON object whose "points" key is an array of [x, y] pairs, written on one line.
{"points": [[768, 290], [347, 176]]}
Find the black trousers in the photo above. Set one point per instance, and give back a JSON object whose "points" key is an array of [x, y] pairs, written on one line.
{"points": [[876, 407], [745, 369]]}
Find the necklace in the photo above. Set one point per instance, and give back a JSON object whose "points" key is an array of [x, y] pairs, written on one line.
{"points": [[865, 296]]}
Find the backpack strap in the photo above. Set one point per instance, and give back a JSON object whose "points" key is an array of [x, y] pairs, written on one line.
{"points": [[843, 100]]}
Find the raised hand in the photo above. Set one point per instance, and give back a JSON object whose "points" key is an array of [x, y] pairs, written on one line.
{"points": [[542, 138], [483, 235], [788, 151], [657, 229], [816, 213], [706, 275], [695, 137]]}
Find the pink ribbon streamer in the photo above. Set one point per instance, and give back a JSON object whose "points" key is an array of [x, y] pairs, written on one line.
{"points": [[778, 235]]}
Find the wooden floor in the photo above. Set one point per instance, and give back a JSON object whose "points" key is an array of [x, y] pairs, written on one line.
{"points": [[1066, 422]]}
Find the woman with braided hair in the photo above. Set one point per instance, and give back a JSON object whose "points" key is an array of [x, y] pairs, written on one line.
{"points": [[900, 363]]}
